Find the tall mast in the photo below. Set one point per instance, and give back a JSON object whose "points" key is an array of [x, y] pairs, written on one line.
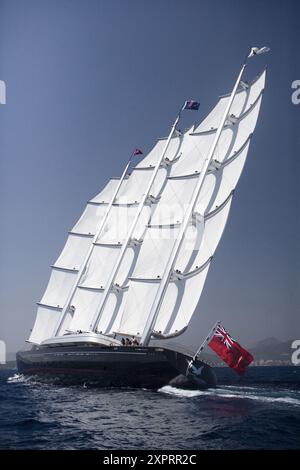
{"points": [[88, 255], [146, 336], [126, 243]]}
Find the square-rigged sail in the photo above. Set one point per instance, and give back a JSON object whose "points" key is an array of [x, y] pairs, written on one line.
{"points": [[127, 307]]}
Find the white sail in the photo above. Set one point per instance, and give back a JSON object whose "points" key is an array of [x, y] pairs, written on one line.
{"points": [[119, 221], [134, 188], [173, 152], [60, 282], [85, 303], [74, 252], [90, 219], [64, 271], [177, 307], [63, 276], [210, 218], [101, 263], [242, 102], [192, 267], [199, 245], [106, 251], [105, 196], [45, 322], [231, 141]]}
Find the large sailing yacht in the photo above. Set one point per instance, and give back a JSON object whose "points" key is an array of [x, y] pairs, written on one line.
{"points": [[134, 265]]}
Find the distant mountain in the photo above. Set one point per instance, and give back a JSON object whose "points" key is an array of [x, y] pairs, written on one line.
{"points": [[271, 349]]}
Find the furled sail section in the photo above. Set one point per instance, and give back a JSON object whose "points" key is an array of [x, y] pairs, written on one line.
{"points": [[205, 230]]}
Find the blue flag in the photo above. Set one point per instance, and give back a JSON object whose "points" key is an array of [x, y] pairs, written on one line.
{"points": [[191, 104]]}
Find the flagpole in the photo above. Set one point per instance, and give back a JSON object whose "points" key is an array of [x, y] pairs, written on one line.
{"points": [[207, 339], [126, 242], [90, 250], [203, 344]]}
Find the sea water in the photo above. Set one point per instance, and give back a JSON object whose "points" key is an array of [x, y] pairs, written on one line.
{"points": [[258, 411]]}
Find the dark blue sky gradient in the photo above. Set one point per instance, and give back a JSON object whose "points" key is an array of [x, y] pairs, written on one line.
{"points": [[87, 81]]}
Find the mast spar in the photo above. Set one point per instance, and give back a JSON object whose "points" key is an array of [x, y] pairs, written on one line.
{"points": [[148, 330]]}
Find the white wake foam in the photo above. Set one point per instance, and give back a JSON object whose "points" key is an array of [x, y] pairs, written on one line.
{"points": [[180, 392], [16, 378], [248, 393]]}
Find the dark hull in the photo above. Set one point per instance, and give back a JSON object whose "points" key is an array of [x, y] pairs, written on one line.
{"points": [[104, 367], [107, 367]]}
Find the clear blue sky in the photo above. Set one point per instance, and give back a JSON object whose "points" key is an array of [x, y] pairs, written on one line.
{"points": [[89, 80]]}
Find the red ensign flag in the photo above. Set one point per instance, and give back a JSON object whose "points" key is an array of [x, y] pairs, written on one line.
{"points": [[230, 350]]}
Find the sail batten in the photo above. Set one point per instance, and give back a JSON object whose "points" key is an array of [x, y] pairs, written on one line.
{"points": [[53, 307], [67, 270], [183, 275]]}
